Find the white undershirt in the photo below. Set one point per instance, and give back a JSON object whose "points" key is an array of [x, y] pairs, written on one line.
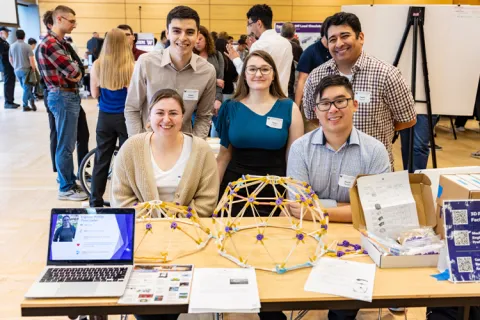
{"points": [[349, 76], [167, 181]]}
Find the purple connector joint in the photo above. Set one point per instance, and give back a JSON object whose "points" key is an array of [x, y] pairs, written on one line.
{"points": [[300, 236]]}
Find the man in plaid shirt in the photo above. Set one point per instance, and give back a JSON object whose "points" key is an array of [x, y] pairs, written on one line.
{"points": [[61, 76], [386, 103]]}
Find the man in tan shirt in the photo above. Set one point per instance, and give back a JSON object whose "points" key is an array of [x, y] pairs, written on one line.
{"points": [[178, 68]]}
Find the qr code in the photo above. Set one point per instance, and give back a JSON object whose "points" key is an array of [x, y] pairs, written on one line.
{"points": [[459, 217], [464, 264], [461, 238]]}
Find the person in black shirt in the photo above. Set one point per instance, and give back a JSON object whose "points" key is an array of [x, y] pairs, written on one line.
{"points": [[288, 32], [93, 46], [66, 232], [314, 56], [7, 69]]}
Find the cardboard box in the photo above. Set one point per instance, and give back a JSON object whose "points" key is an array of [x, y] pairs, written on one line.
{"points": [[454, 187], [422, 193], [420, 186]]}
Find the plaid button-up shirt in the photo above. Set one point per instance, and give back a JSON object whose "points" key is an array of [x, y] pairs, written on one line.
{"points": [[55, 63], [391, 100]]}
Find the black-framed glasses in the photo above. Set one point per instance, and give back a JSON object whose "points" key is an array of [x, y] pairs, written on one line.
{"points": [[250, 23], [71, 21], [252, 70], [340, 103]]}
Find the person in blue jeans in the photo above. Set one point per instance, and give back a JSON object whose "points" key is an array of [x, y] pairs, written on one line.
{"points": [[22, 59], [61, 75], [421, 140]]}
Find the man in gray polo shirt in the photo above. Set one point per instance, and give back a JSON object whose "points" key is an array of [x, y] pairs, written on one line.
{"points": [[177, 68], [22, 59], [330, 157]]}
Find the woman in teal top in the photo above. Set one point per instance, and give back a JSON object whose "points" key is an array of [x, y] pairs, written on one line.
{"points": [[256, 127]]}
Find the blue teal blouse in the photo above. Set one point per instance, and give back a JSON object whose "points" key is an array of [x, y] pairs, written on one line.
{"points": [[240, 126]]}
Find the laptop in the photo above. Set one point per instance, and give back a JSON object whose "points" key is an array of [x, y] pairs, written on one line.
{"points": [[90, 253]]}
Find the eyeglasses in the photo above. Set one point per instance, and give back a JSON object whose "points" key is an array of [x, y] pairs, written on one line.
{"points": [[340, 103], [250, 23], [74, 22], [251, 70]]}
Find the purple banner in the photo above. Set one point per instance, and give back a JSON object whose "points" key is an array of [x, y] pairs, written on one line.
{"points": [[462, 228], [302, 27]]}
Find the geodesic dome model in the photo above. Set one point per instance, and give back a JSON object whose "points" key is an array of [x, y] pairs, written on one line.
{"points": [[261, 234], [169, 218]]}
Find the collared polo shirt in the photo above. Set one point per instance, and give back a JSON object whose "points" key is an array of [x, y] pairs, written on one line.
{"points": [[312, 160]]}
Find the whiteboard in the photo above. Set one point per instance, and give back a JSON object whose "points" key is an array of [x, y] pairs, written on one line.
{"points": [[452, 41], [8, 13]]}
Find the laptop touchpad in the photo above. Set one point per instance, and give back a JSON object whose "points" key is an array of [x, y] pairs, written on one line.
{"points": [[77, 290]]}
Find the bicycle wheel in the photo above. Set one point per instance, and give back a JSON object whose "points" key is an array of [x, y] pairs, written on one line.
{"points": [[86, 171]]}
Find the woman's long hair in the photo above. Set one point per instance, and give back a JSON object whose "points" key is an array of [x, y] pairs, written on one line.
{"points": [[114, 66], [242, 87], [221, 46], [209, 46]]}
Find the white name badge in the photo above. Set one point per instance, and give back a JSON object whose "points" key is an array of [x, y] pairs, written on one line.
{"points": [[275, 123], [190, 94], [362, 96], [346, 181]]}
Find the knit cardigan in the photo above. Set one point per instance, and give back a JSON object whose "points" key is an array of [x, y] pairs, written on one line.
{"points": [[133, 179]]}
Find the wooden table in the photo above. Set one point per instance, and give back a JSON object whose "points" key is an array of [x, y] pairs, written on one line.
{"points": [[393, 287]]}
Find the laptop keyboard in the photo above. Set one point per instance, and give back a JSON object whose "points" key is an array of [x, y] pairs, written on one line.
{"points": [[115, 274]]}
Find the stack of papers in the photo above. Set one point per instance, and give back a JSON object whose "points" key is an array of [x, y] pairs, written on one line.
{"points": [[388, 202], [158, 284], [342, 278], [224, 290]]}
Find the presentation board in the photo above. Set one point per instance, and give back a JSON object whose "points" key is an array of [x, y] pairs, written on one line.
{"points": [[452, 42], [8, 13]]}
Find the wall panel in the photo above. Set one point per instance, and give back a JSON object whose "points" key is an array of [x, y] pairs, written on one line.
{"points": [[216, 15], [302, 13]]}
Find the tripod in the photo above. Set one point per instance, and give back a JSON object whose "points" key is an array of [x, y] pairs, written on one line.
{"points": [[416, 18]]}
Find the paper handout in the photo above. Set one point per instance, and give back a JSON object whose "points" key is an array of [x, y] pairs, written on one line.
{"points": [[342, 278], [387, 202], [224, 290], [158, 284]]}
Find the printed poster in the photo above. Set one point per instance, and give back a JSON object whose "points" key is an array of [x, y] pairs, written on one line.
{"points": [[158, 284], [462, 231], [307, 32]]}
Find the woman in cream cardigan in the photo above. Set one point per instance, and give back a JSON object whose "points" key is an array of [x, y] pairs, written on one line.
{"points": [[166, 164]]}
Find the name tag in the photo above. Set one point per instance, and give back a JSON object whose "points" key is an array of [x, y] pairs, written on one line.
{"points": [[275, 123], [346, 181], [362, 96], [190, 94]]}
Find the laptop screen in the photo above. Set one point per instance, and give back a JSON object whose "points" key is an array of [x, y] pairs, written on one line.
{"points": [[91, 235]]}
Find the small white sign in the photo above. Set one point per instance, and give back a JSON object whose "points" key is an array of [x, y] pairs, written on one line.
{"points": [[145, 41]]}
